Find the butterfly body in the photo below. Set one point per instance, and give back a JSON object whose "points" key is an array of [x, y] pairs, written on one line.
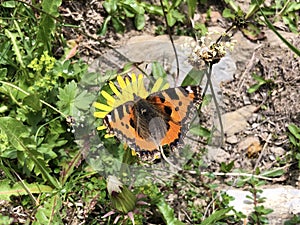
{"points": [[160, 119]]}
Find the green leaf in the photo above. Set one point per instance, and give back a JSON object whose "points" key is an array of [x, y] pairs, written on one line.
{"points": [[84, 100], [139, 21], [47, 25], [6, 190], [289, 20], [273, 173], [270, 25], [253, 88], [261, 81], [3, 73], [33, 102], [158, 70], [110, 6], [104, 26], [152, 9], [71, 100], [66, 98], [134, 7], [8, 4], [201, 27], [15, 130], [168, 213], [49, 212], [191, 7], [294, 130], [194, 77], [216, 216], [176, 3], [200, 131], [226, 168], [227, 13], [129, 12], [293, 140], [13, 37], [118, 25], [170, 19]]}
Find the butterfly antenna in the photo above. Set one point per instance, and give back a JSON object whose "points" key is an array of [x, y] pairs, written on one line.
{"points": [[167, 160]]}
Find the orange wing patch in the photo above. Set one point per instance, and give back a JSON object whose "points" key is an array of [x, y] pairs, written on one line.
{"points": [[161, 119], [183, 101]]}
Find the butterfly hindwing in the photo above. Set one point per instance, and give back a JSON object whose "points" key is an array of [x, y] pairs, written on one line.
{"points": [[180, 103], [121, 122]]}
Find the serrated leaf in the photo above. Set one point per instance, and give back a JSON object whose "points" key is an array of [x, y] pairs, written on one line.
{"points": [[13, 37], [66, 97], [47, 25], [84, 100], [72, 100], [15, 130], [6, 190], [168, 213]]}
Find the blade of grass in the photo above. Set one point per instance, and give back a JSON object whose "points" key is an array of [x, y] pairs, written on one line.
{"points": [[269, 24]]}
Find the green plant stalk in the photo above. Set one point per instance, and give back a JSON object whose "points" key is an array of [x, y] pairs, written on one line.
{"points": [[26, 189], [68, 171]]}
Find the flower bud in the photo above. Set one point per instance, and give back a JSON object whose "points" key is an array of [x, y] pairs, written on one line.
{"points": [[121, 197]]}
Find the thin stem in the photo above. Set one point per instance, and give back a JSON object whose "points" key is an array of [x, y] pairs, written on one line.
{"points": [[172, 42], [209, 83]]}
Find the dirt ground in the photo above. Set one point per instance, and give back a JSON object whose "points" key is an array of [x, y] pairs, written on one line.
{"points": [[270, 110]]}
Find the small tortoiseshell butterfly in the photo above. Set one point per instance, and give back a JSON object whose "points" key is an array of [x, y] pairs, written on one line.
{"points": [[162, 118]]}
